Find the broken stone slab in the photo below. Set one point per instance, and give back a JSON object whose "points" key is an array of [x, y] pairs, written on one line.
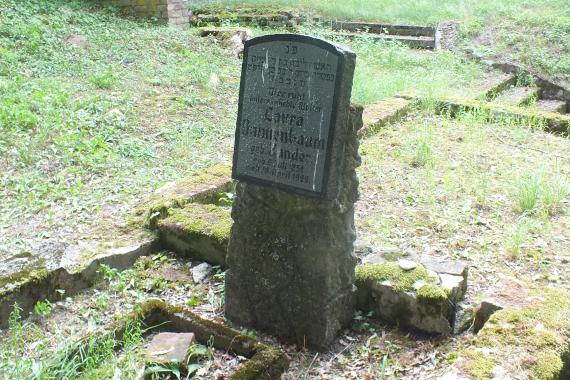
{"points": [[442, 266], [167, 348], [200, 272], [409, 298], [452, 275], [202, 187], [197, 230]]}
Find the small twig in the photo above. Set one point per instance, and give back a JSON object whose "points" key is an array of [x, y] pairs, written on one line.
{"points": [[310, 366]]}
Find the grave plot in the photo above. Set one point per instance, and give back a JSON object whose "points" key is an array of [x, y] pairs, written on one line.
{"points": [[415, 36], [461, 220]]}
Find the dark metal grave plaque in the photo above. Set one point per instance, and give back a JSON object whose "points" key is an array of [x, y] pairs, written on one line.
{"points": [[293, 112]]}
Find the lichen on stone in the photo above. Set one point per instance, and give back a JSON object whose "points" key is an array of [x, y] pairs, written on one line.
{"points": [[400, 279]]}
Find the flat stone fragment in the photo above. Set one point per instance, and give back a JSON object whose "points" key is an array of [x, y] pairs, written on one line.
{"points": [[407, 264], [406, 310], [169, 347], [201, 272], [456, 286], [409, 299], [456, 268]]}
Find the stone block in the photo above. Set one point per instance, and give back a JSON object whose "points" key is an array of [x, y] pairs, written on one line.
{"points": [[204, 187], [199, 231], [422, 296], [166, 348], [291, 268], [409, 298]]}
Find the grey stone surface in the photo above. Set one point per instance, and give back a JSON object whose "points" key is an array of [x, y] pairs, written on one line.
{"points": [[431, 315], [464, 316], [456, 286], [169, 347], [407, 264], [291, 267], [453, 267], [375, 258], [405, 309], [200, 272]]}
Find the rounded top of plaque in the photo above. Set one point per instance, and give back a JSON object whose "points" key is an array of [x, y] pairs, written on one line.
{"points": [[290, 37]]}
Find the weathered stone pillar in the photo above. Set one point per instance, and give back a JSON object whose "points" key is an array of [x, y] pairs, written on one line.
{"points": [[290, 257]]}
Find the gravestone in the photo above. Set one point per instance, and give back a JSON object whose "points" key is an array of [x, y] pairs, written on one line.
{"points": [[291, 267]]}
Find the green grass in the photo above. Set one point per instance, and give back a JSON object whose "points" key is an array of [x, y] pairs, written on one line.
{"points": [[90, 130], [97, 356], [471, 188], [387, 68], [84, 129], [535, 33]]}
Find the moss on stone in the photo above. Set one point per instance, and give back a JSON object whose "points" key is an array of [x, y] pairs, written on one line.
{"points": [[267, 363], [432, 292], [400, 279], [33, 274], [200, 187], [199, 219]]}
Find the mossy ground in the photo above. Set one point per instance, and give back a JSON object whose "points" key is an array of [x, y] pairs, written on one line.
{"points": [[538, 334]]}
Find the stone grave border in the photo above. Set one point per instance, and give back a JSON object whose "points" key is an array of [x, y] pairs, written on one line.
{"points": [[264, 361]]}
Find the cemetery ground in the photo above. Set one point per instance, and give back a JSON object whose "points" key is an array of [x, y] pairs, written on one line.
{"points": [[98, 111]]}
